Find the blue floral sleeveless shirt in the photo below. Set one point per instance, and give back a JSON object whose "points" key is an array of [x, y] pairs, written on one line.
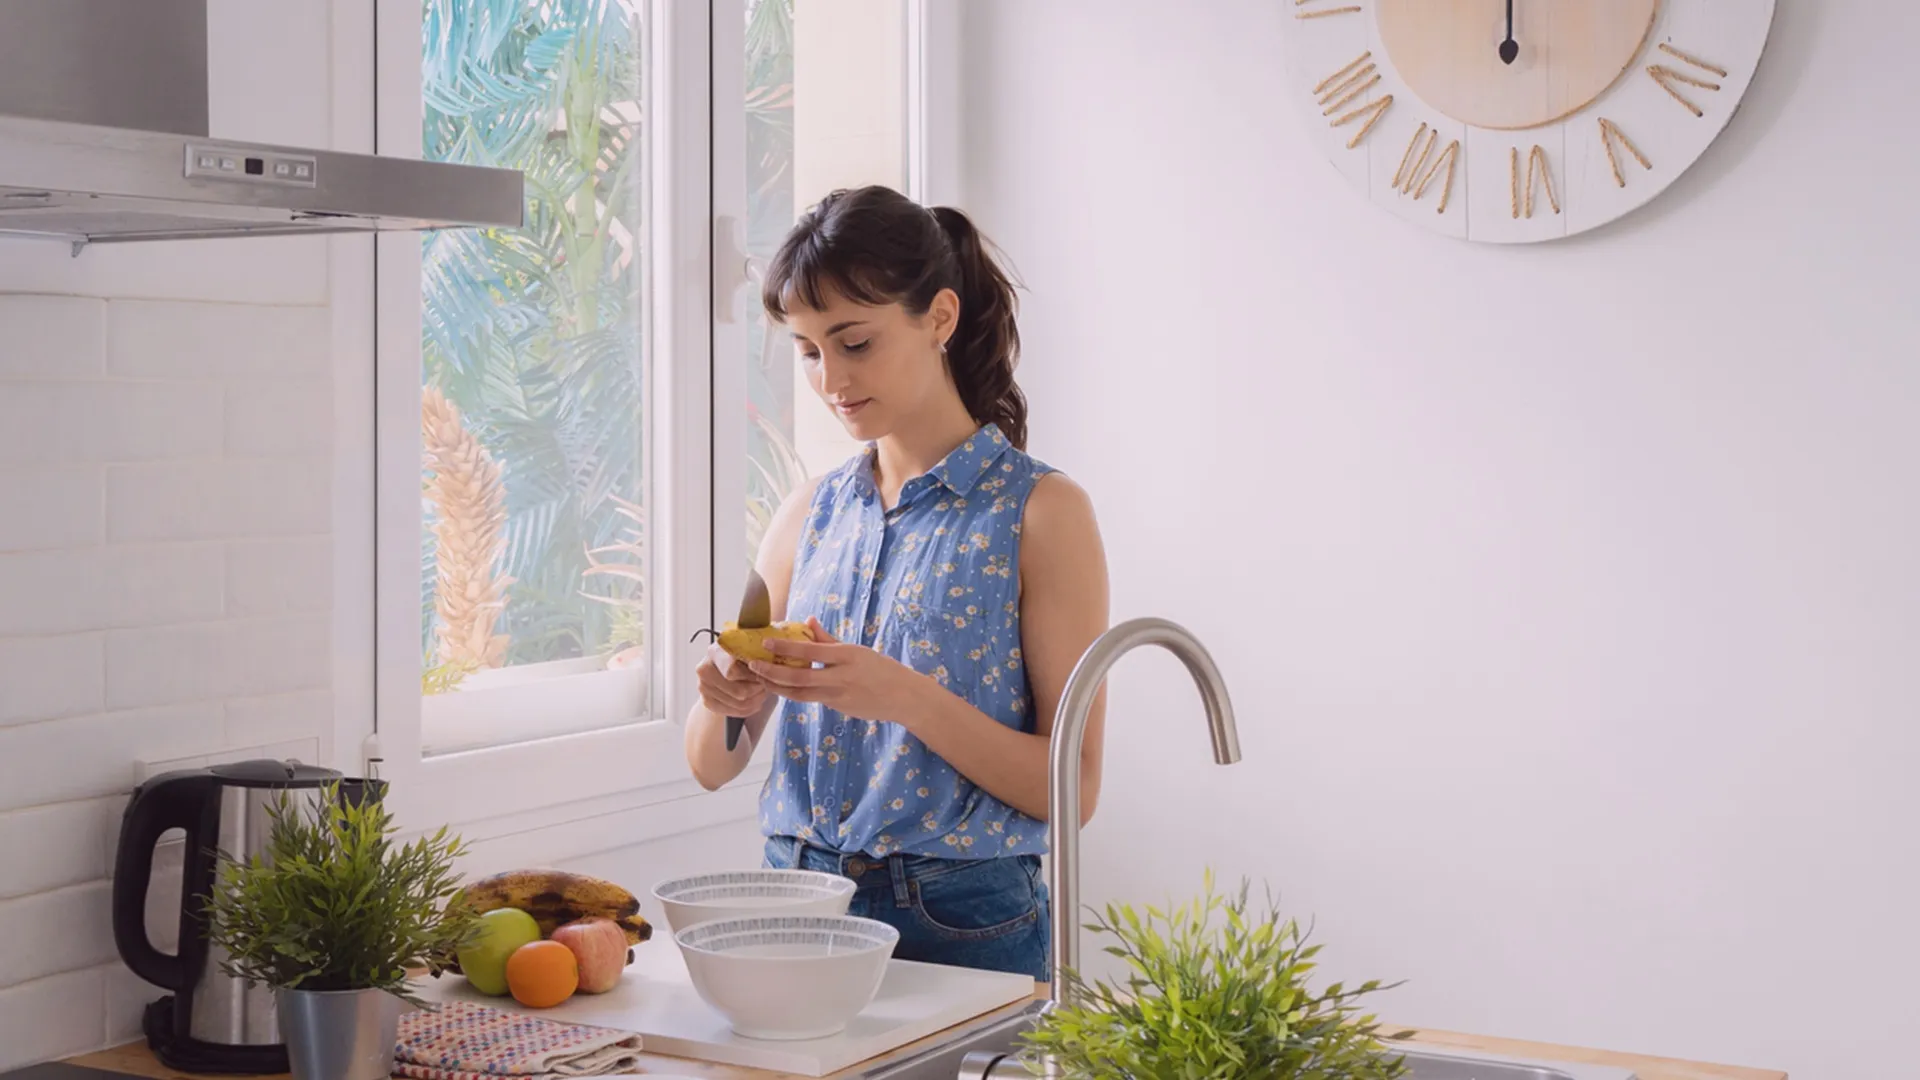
{"points": [[935, 584]]}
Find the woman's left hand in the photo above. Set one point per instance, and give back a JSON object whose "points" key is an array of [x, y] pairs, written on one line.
{"points": [[852, 679]]}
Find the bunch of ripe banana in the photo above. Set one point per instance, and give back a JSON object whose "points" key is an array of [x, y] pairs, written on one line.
{"points": [[555, 898]]}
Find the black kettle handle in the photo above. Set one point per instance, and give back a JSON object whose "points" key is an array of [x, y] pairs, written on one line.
{"points": [[175, 800]]}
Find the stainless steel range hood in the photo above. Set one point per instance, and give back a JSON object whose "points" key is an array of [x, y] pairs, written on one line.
{"points": [[103, 139]]}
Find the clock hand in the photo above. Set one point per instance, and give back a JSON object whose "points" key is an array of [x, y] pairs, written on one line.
{"points": [[1509, 49]]}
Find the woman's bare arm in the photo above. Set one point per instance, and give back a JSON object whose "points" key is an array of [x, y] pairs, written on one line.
{"points": [[712, 763]]}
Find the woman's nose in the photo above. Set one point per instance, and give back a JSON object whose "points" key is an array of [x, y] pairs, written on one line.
{"points": [[833, 375]]}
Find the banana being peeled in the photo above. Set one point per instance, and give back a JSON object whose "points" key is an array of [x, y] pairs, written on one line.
{"points": [[555, 898], [750, 643]]}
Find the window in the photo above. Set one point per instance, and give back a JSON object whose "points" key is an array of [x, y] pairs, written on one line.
{"points": [[575, 419], [535, 350]]}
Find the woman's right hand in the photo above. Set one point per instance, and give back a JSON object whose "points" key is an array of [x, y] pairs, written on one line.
{"points": [[728, 687]]}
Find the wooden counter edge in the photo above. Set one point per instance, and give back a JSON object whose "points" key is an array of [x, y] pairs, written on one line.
{"points": [[1644, 1066], [135, 1059]]}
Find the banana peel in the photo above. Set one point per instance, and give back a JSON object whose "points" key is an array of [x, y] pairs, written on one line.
{"points": [[750, 643]]}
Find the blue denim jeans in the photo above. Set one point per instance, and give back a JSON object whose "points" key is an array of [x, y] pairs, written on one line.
{"points": [[989, 914]]}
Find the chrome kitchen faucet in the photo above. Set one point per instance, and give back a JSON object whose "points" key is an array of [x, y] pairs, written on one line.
{"points": [[992, 1050], [1069, 736]]}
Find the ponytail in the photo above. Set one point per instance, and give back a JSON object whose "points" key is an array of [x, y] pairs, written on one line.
{"points": [[985, 346], [874, 245]]}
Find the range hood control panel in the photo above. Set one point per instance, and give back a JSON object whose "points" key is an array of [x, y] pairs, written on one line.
{"points": [[240, 165]]}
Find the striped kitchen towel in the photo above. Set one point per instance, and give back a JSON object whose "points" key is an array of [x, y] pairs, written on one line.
{"points": [[459, 1040]]}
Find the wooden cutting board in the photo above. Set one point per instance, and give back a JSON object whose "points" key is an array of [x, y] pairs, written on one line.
{"points": [[656, 1000]]}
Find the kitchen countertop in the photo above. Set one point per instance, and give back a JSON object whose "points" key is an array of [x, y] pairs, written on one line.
{"points": [[135, 1059]]}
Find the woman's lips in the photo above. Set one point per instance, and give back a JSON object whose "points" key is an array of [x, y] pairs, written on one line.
{"points": [[848, 408]]}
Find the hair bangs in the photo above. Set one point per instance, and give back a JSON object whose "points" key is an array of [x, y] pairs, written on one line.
{"points": [[812, 271]]}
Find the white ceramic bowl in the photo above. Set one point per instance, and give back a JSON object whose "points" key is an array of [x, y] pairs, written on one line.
{"points": [[788, 976], [736, 894]]}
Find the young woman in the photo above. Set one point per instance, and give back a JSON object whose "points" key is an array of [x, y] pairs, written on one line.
{"points": [[950, 582]]}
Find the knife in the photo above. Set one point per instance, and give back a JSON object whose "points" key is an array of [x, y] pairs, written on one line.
{"points": [[756, 613]]}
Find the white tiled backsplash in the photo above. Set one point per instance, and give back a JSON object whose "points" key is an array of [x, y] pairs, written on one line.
{"points": [[165, 597]]}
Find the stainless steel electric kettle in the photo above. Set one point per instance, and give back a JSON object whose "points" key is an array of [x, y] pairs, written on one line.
{"points": [[211, 1022]]}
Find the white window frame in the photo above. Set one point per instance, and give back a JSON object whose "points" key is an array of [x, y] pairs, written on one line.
{"points": [[627, 776]]}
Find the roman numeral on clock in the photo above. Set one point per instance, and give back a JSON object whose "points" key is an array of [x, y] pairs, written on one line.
{"points": [[1672, 78], [1340, 89], [1536, 158], [1322, 12], [1609, 132], [1408, 179]]}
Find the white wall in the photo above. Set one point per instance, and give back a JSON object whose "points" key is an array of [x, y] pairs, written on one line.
{"points": [[1570, 594], [165, 548]]}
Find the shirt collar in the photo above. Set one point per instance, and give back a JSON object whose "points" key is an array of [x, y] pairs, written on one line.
{"points": [[967, 465], [959, 472]]}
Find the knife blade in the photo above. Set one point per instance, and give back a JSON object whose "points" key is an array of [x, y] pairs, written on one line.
{"points": [[756, 606], [756, 613]]}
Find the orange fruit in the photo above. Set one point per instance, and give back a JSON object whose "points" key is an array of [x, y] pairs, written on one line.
{"points": [[542, 974]]}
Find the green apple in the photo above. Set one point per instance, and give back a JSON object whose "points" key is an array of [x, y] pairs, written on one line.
{"points": [[502, 930]]}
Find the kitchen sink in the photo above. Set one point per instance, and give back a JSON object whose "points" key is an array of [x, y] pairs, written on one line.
{"points": [[942, 1061], [971, 1053]]}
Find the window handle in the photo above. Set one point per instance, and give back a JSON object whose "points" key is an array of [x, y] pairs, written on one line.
{"points": [[732, 267]]}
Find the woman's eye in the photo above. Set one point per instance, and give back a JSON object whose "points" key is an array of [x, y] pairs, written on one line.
{"points": [[809, 357], [857, 346]]}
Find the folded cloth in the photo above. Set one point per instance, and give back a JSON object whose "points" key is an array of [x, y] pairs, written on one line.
{"points": [[459, 1040]]}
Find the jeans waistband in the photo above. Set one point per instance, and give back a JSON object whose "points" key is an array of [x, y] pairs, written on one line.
{"points": [[879, 871]]}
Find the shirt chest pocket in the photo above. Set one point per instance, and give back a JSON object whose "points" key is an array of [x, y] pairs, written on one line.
{"points": [[968, 643]]}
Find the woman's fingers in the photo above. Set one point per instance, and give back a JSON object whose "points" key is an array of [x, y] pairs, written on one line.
{"points": [[729, 667], [734, 697], [812, 652], [785, 679], [731, 705], [782, 677]]}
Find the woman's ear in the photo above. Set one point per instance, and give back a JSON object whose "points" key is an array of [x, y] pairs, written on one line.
{"points": [[944, 313]]}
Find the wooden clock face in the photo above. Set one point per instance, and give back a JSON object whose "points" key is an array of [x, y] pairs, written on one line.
{"points": [[1582, 112]]}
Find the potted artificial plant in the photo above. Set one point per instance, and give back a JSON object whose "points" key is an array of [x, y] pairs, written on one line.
{"points": [[333, 915], [1207, 1002]]}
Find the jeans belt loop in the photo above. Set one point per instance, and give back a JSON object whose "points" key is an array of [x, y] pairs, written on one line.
{"points": [[898, 866]]}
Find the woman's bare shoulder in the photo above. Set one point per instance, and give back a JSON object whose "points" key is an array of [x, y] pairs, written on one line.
{"points": [[1058, 506], [1059, 532]]}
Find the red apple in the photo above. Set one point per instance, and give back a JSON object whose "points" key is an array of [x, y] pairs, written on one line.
{"points": [[600, 946]]}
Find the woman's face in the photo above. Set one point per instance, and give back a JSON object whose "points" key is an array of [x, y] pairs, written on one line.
{"points": [[876, 367]]}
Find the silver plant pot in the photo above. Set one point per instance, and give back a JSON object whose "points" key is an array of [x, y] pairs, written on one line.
{"points": [[339, 1034]]}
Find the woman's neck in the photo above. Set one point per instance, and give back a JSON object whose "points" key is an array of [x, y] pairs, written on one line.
{"points": [[917, 447]]}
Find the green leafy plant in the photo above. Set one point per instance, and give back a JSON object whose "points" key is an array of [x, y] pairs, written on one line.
{"points": [[444, 678], [1202, 1001], [333, 903]]}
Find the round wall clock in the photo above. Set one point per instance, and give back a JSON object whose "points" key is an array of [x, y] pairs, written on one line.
{"points": [[1514, 121]]}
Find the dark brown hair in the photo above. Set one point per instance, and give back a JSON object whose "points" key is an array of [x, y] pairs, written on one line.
{"points": [[875, 246]]}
